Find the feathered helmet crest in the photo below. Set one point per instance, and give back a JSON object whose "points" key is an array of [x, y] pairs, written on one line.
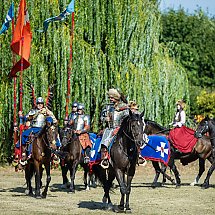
{"points": [[133, 105]]}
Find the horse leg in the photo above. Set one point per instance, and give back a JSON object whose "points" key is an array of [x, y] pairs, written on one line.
{"points": [[64, 170], [205, 185], [201, 170], [173, 167], [120, 176], [48, 178], [157, 173], [72, 175], [127, 208], [37, 179], [28, 175]]}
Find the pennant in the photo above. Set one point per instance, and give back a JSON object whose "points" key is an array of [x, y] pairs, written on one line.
{"points": [[70, 9], [8, 19], [21, 42]]}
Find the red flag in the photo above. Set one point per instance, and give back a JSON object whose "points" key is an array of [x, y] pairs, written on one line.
{"points": [[21, 42]]}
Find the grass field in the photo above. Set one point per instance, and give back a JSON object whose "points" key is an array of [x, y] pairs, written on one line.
{"points": [[144, 199]]}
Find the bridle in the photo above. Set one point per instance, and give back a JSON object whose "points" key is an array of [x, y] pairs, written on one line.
{"points": [[203, 130], [132, 133]]}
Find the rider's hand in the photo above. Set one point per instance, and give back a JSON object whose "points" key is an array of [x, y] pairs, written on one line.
{"points": [[77, 132], [20, 113]]}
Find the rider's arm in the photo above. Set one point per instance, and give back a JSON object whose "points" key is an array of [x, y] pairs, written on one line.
{"points": [[49, 113]]}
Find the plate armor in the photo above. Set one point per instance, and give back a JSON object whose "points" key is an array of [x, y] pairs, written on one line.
{"points": [[81, 121]]}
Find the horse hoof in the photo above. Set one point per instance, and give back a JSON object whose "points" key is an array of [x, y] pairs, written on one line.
{"points": [[128, 211], [192, 184], [110, 207], [87, 188], [44, 195], [28, 192], [119, 209], [205, 186], [104, 199], [177, 186], [38, 197], [72, 191]]}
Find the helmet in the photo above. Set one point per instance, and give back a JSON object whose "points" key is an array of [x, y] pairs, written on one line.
{"points": [[81, 107], [40, 100], [75, 104]]}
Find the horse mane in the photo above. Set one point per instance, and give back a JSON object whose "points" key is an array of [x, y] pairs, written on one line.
{"points": [[155, 124], [126, 120]]}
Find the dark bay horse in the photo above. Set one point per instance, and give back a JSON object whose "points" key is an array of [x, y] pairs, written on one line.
{"points": [[207, 125], [124, 155], [72, 147], [42, 146], [201, 151]]}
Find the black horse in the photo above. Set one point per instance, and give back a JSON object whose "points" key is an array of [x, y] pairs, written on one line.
{"points": [[201, 151], [207, 125], [42, 146], [124, 155]]}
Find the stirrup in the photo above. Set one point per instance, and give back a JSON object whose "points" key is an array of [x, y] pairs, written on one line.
{"points": [[23, 163], [104, 166]]}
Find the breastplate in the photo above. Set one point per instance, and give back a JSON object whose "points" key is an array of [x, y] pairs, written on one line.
{"points": [[79, 122], [117, 119], [39, 121]]}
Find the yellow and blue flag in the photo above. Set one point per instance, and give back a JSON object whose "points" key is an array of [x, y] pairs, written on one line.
{"points": [[8, 19], [70, 9]]}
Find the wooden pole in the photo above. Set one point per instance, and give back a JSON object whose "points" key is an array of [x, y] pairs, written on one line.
{"points": [[70, 65]]}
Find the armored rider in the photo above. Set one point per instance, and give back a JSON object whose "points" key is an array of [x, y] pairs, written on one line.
{"points": [[37, 118], [81, 126], [112, 116]]}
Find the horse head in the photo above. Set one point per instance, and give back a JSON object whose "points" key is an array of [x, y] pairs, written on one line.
{"points": [[204, 126], [134, 130], [51, 131], [153, 127], [67, 135]]}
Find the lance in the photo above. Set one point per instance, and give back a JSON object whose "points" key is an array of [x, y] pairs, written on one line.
{"points": [[15, 125], [70, 65]]}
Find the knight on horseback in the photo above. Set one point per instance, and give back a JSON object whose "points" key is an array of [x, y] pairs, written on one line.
{"points": [[36, 118], [81, 125], [111, 116]]}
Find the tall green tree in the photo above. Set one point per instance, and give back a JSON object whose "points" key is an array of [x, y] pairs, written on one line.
{"points": [[116, 44]]}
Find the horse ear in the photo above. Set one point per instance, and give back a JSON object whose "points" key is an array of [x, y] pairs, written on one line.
{"points": [[130, 112], [142, 114], [207, 117]]}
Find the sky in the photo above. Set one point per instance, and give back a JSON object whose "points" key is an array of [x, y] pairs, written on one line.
{"points": [[208, 6]]}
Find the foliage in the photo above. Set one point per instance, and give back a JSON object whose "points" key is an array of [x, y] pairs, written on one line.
{"points": [[194, 36], [206, 103], [116, 44]]}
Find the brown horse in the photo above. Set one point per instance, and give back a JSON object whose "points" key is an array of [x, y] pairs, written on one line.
{"points": [[207, 125], [72, 146], [42, 146], [201, 151]]}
